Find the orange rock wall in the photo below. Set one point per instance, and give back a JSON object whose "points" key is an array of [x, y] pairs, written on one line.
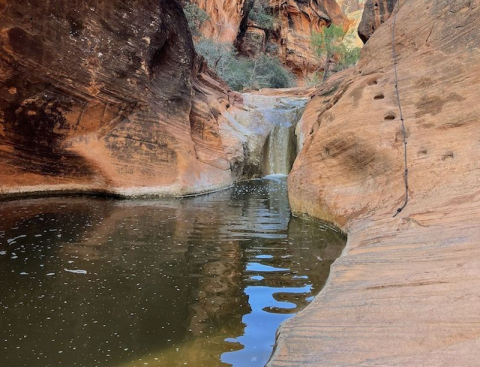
{"points": [[296, 22], [405, 291], [226, 17], [108, 97]]}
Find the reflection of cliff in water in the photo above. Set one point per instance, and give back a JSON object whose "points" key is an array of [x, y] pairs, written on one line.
{"points": [[105, 282]]}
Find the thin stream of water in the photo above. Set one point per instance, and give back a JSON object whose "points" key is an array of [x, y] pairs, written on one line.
{"points": [[202, 281]]}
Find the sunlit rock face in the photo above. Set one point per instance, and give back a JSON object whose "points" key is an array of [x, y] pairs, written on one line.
{"points": [[353, 9], [227, 18], [290, 40], [296, 22], [400, 279], [110, 97], [350, 6]]}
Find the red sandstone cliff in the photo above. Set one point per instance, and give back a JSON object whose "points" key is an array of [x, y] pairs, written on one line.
{"points": [[290, 38], [405, 292], [297, 20], [109, 97], [227, 17]]}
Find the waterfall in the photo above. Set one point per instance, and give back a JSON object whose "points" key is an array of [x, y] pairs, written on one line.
{"points": [[280, 147], [269, 122], [280, 150]]}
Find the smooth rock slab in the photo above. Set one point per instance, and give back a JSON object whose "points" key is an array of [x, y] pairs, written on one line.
{"points": [[406, 291]]}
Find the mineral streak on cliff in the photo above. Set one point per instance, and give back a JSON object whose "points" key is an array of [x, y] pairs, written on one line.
{"points": [[110, 97], [405, 291]]}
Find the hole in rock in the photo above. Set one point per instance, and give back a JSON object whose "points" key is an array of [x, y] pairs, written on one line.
{"points": [[390, 116], [379, 96], [448, 155]]}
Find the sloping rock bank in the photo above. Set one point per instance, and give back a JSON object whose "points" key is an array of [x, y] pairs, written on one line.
{"points": [[110, 97], [406, 291]]}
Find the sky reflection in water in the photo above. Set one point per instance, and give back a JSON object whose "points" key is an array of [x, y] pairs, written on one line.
{"points": [[203, 281]]}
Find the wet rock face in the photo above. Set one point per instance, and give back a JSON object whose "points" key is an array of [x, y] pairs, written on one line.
{"points": [[376, 12], [98, 96]]}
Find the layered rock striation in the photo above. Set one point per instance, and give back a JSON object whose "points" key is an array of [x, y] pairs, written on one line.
{"points": [[110, 98], [405, 292]]}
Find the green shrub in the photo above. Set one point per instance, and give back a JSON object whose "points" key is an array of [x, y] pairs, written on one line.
{"points": [[241, 73], [268, 72], [329, 43], [224, 61], [195, 17], [259, 15]]}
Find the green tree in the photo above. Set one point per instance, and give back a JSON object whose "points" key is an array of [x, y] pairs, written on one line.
{"points": [[195, 17], [347, 57], [328, 43]]}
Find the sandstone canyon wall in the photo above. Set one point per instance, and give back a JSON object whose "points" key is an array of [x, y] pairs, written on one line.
{"points": [[297, 20], [227, 18], [376, 12], [350, 6], [353, 9], [110, 97], [289, 40], [405, 292]]}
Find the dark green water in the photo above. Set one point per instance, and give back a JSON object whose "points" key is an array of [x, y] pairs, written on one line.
{"points": [[202, 282]]}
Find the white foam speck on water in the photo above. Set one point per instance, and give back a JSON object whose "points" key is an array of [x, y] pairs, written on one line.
{"points": [[11, 241], [3, 253], [23, 273], [76, 271]]}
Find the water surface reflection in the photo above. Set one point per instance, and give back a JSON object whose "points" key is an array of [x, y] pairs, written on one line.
{"points": [[201, 281]]}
